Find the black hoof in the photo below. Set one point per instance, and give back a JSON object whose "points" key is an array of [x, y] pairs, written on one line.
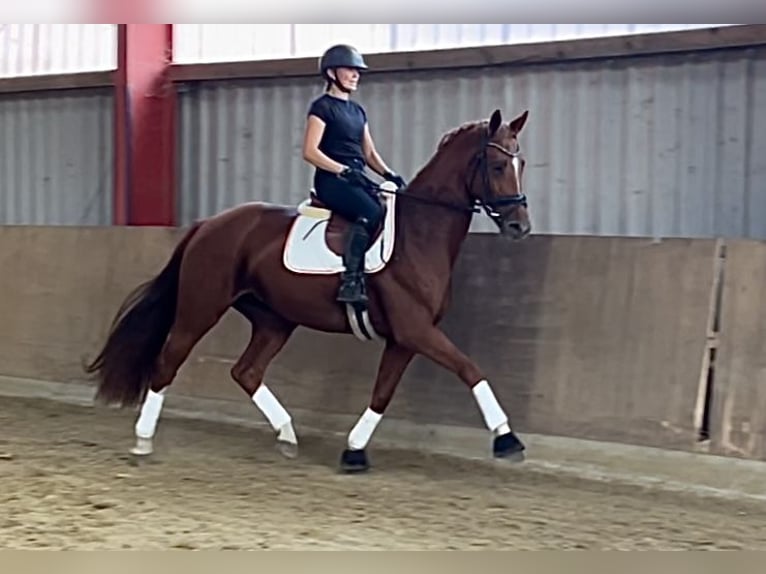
{"points": [[508, 446], [354, 461]]}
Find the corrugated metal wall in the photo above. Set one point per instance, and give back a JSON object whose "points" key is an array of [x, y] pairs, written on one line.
{"points": [[652, 146], [229, 42], [56, 158], [33, 49]]}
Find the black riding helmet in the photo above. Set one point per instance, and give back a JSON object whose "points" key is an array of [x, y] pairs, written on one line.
{"points": [[340, 56]]}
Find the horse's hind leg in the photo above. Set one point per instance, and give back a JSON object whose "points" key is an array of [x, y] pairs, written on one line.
{"points": [[269, 335], [195, 316]]}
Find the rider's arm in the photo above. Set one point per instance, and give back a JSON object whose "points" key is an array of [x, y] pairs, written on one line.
{"points": [[311, 152], [371, 154]]}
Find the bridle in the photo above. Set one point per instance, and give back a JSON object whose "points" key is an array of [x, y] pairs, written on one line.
{"points": [[487, 202]]}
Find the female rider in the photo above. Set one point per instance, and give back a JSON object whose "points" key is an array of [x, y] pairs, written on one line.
{"points": [[338, 144]]}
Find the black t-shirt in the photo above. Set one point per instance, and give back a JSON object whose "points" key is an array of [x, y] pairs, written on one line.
{"points": [[344, 129]]}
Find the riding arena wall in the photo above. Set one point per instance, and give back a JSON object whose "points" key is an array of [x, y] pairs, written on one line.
{"points": [[632, 315], [602, 338]]}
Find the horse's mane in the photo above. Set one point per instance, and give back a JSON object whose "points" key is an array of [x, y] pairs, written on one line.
{"points": [[458, 131], [448, 138], [454, 134]]}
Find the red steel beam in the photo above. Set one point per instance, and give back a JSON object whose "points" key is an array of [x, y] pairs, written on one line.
{"points": [[145, 122]]}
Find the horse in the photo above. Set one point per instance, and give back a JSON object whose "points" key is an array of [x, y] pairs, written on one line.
{"points": [[240, 258]]}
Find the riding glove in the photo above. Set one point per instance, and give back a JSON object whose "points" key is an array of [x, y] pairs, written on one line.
{"points": [[355, 176], [395, 178]]}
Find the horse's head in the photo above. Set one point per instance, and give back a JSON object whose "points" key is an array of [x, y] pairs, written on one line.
{"points": [[494, 176]]}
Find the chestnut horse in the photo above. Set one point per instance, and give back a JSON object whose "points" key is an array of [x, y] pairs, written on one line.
{"points": [[237, 259]]}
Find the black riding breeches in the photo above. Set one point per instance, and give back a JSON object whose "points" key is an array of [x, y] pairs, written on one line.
{"points": [[349, 201]]}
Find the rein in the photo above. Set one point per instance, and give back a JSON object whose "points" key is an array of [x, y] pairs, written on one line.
{"points": [[487, 203], [432, 201]]}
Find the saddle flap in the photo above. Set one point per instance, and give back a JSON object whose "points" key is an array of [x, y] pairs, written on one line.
{"points": [[316, 239]]}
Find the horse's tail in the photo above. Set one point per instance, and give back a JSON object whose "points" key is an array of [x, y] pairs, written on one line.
{"points": [[125, 365]]}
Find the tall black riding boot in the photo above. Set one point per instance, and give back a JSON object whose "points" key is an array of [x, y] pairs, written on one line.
{"points": [[352, 288]]}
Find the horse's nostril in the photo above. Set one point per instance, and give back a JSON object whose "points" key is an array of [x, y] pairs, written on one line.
{"points": [[518, 229]]}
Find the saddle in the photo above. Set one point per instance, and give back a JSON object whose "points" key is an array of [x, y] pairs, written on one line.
{"points": [[335, 233]]}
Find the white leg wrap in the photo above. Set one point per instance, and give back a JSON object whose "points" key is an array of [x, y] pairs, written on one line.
{"points": [[362, 432], [287, 434], [150, 414], [494, 416], [271, 408]]}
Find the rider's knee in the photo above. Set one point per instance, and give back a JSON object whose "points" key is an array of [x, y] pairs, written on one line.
{"points": [[363, 221], [369, 221], [375, 216]]}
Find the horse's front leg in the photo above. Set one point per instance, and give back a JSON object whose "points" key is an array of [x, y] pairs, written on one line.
{"points": [[431, 342], [392, 366]]}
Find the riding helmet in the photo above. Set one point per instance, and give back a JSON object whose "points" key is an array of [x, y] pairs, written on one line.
{"points": [[341, 56]]}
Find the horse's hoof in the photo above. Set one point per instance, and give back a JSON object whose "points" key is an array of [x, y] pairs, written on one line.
{"points": [[287, 449], [509, 447], [144, 447], [354, 461]]}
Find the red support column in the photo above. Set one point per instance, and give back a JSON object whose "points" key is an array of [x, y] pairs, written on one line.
{"points": [[145, 121]]}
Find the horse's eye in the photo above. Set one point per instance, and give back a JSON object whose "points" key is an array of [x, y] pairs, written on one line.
{"points": [[499, 168]]}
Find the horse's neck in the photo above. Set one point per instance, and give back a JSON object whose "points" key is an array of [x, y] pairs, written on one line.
{"points": [[434, 232]]}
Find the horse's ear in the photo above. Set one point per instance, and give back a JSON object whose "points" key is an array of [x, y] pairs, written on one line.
{"points": [[518, 124], [494, 122]]}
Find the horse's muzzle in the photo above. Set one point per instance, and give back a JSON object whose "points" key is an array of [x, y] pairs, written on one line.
{"points": [[516, 229]]}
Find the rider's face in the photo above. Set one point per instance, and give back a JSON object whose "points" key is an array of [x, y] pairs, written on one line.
{"points": [[348, 77]]}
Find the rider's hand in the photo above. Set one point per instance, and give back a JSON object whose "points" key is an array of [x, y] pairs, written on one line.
{"points": [[395, 178], [355, 176]]}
